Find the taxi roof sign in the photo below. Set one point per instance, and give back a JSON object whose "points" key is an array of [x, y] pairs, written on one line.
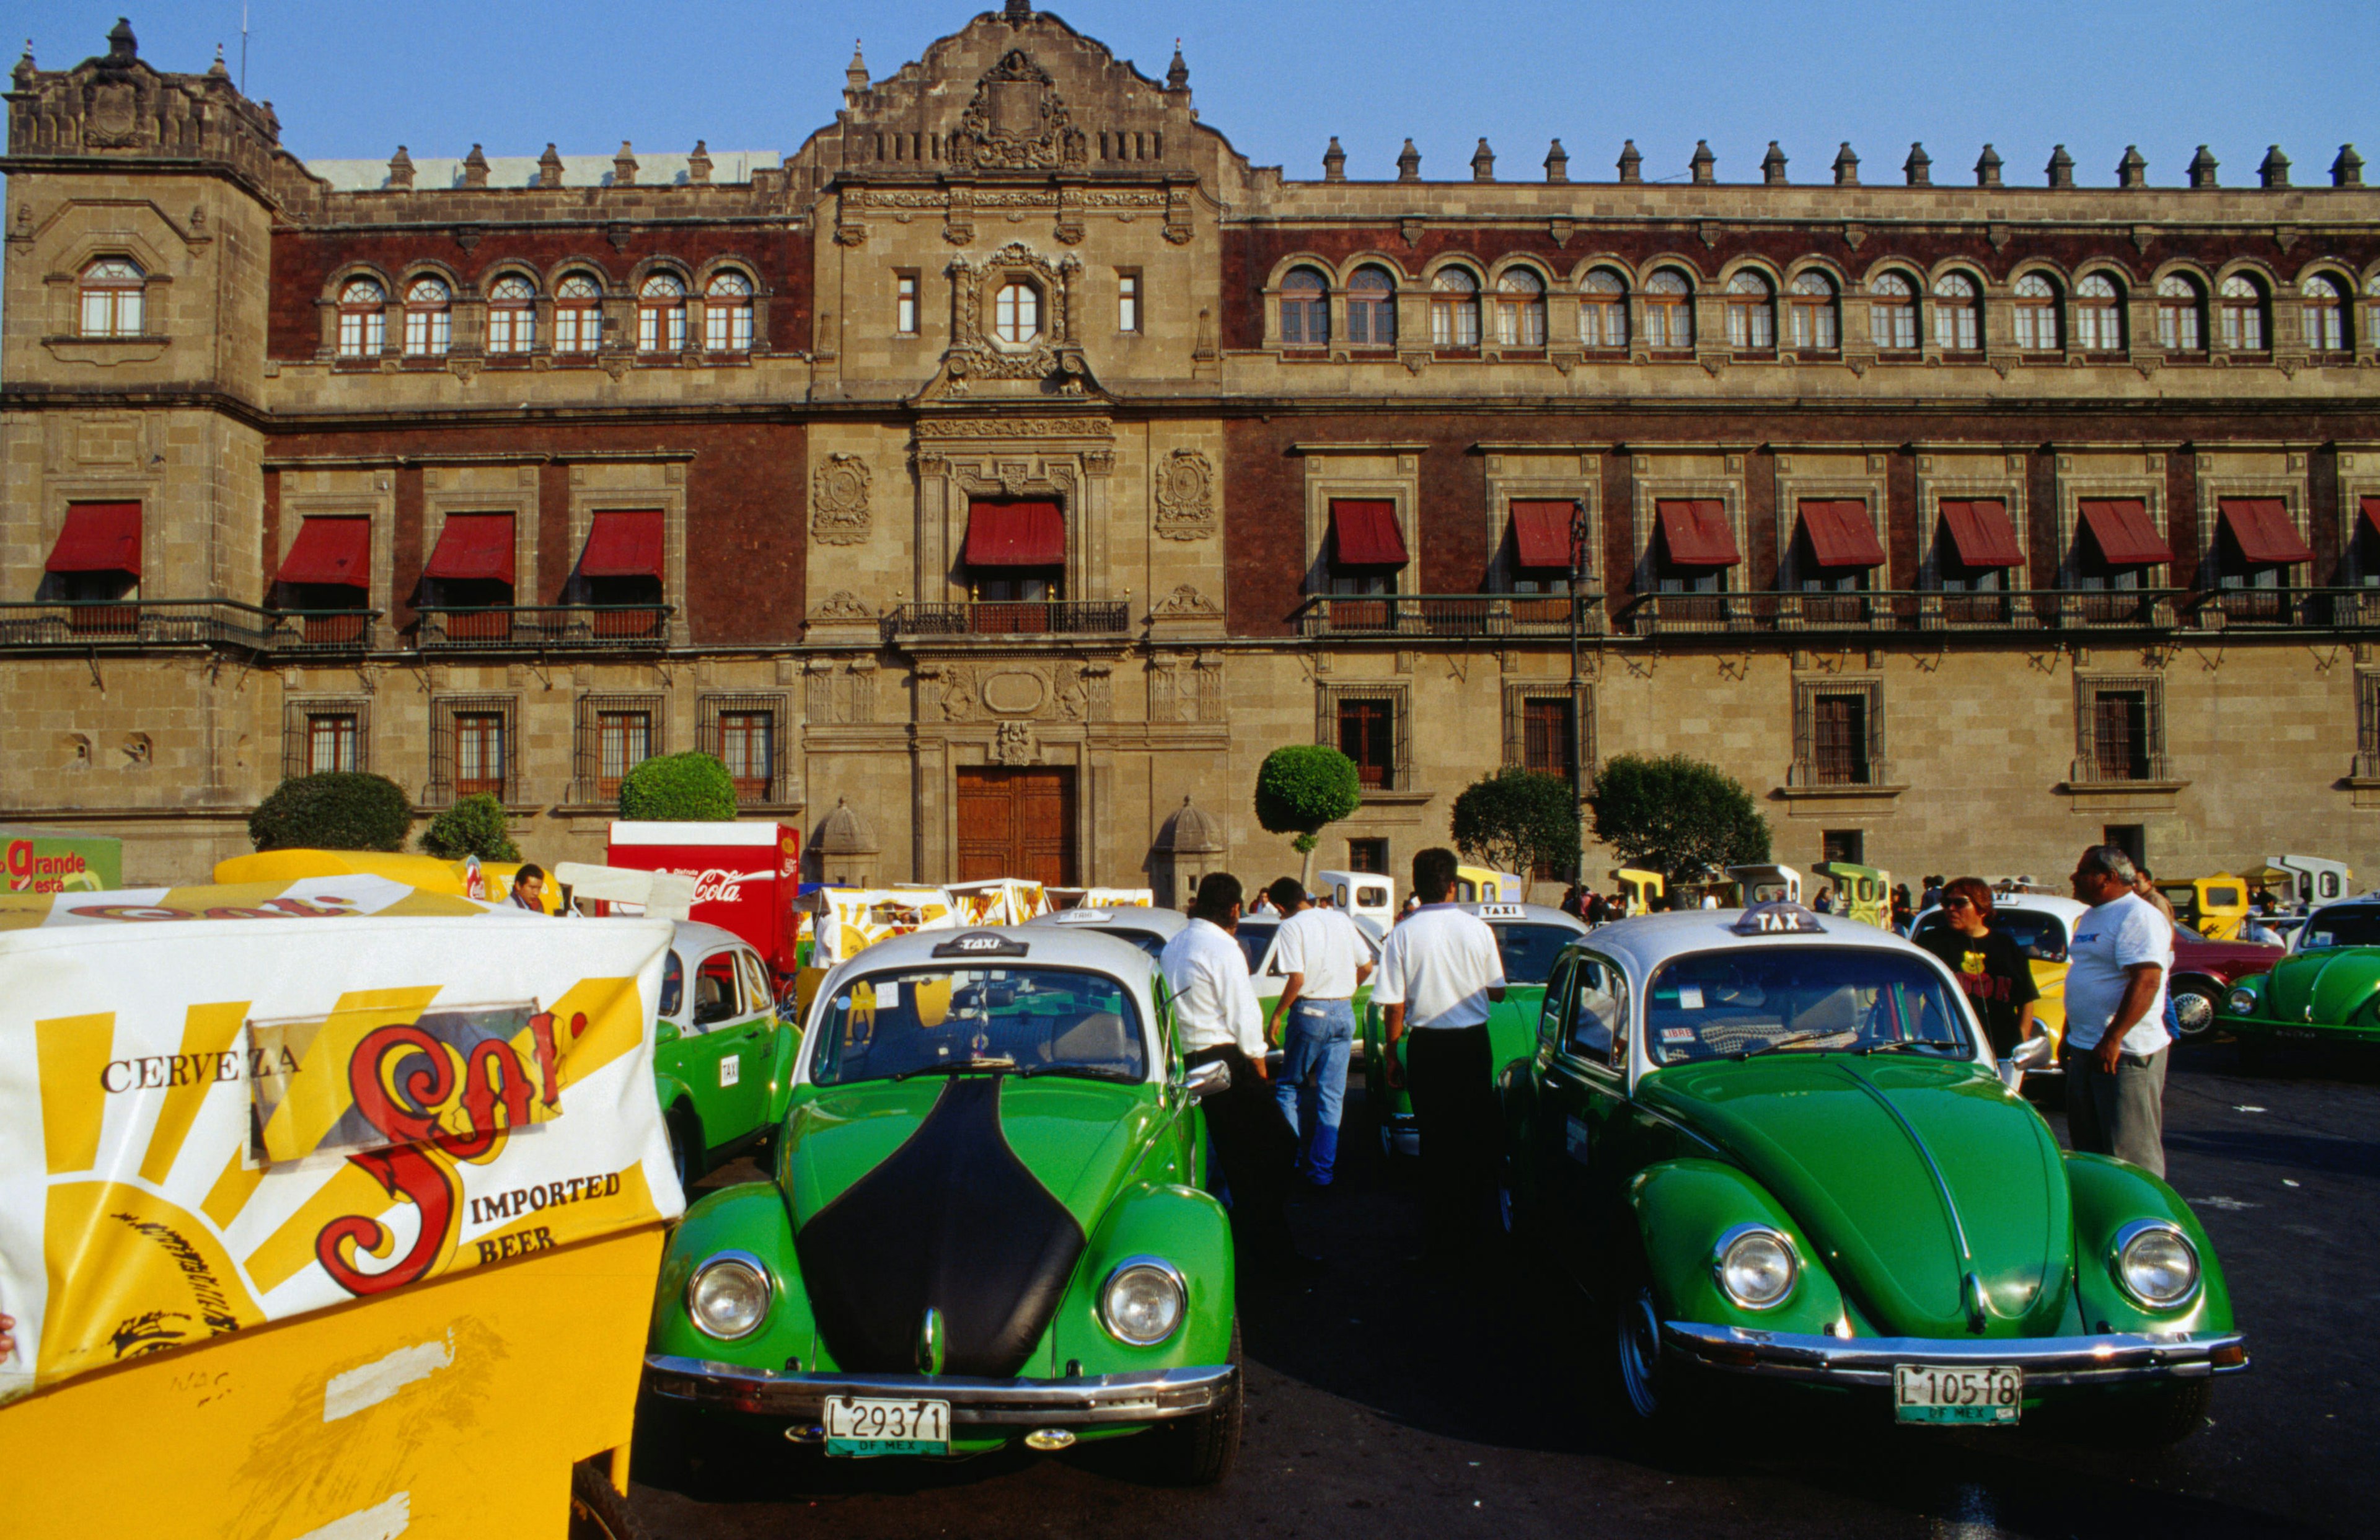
{"points": [[1503, 912], [982, 943], [1780, 918]]}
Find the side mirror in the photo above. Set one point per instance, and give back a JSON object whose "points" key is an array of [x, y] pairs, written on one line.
{"points": [[1207, 1079], [2032, 1053]]}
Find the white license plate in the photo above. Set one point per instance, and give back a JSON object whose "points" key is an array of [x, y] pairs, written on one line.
{"points": [[866, 1425], [1975, 1393]]}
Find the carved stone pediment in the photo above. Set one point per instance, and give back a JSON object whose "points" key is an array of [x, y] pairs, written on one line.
{"points": [[1018, 122], [1185, 496], [839, 511], [1050, 357]]}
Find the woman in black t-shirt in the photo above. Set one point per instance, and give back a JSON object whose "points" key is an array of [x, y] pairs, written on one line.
{"points": [[1988, 964]]}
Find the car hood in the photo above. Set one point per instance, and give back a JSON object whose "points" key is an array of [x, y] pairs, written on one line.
{"points": [[2327, 986], [968, 1196], [1910, 1178]]}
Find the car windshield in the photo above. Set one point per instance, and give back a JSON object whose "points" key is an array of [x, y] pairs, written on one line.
{"points": [[2358, 925], [955, 1021], [1256, 938], [2042, 935], [1810, 1000], [1529, 950]]}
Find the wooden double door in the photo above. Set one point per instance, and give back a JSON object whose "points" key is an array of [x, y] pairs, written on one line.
{"points": [[1017, 823]]}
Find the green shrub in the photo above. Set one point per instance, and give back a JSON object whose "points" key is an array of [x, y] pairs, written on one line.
{"points": [[333, 810], [474, 826], [1302, 787], [1676, 816], [678, 788], [1518, 820]]}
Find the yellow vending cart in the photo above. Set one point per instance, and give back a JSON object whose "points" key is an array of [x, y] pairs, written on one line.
{"points": [[328, 1207]]}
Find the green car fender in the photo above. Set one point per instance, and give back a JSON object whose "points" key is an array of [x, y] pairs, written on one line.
{"points": [[785, 1050], [677, 1099], [1681, 1209], [1179, 1225], [2109, 1194], [750, 1218]]}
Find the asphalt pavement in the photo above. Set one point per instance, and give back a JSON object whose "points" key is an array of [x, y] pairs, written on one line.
{"points": [[1389, 1400]]}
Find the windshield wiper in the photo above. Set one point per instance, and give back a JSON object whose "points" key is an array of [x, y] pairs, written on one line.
{"points": [[1789, 1041], [1911, 1042], [1082, 1071], [956, 1066]]}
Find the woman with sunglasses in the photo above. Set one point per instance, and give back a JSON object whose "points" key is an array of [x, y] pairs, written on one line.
{"points": [[1988, 964]]}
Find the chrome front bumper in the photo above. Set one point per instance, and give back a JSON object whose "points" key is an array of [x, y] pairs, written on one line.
{"points": [[2117, 1358], [1089, 1400]]}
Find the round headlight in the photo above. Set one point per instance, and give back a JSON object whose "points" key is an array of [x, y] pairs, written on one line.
{"points": [[1143, 1302], [2242, 1001], [1755, 1266], [2157, 1263], [728, 1296]]}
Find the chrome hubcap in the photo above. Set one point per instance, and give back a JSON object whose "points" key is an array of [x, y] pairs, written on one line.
{"points": [[2194, 1013]]}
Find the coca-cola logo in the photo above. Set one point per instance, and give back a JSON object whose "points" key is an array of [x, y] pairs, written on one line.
{"points": [[717, 884]]}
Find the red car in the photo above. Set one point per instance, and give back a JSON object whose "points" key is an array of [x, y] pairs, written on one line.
{"points": [[2204, 972]]}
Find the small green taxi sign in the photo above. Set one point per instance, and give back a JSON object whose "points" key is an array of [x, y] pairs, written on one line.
{"points": [[1780, 918]]}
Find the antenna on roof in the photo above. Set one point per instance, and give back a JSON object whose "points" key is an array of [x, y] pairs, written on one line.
{"points": [[243, 47]]}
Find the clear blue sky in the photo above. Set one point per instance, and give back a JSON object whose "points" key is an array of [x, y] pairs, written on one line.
{"points": [[352, 80]]}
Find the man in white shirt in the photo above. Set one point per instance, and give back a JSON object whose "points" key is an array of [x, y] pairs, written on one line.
{"points": [[2117, 1044], [1439, 972], [1326, 959], [1215, 1008]]}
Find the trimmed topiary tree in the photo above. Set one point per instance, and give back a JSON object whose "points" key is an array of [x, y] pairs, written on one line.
{"points": [[1676, 816], [678, 788], [333, 810], [475, 826], [1518, 820], [1300, 788]]}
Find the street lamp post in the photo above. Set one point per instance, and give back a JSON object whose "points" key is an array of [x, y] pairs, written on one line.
{"points": [[1577, 585]]}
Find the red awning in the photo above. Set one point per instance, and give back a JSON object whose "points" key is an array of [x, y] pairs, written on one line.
{"points": [[2127, 536], [1981, 534], [473, 546], [330, 550], [1541, 534], [2372, 513], [2262, 527], [98, 537], [623, 544], [1696, 531], [1015, 535], [1364, 533], [1841, 534]]}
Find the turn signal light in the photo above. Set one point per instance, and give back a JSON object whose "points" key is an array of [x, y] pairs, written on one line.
{"points": [[2230, 1356]]}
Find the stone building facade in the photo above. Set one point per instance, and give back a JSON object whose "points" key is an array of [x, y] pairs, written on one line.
{"points": [[994, 479]]}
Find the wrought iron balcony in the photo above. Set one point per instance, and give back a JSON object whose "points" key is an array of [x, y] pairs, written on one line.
{"points": [[136, 624], [1450, 616], [1869, 611], [2287, 609], [545, 628], [1023, 617]]}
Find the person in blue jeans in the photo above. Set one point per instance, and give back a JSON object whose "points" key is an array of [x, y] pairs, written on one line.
{"points": [[1326, 959]]}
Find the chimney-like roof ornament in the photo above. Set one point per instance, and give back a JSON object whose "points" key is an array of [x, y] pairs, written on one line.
{"points": [[1631, 162], [548, 168], [1335, 162], [2275, 171], [475, 168], [1987, 168], [1019, 12], [1177, 74], [623, 167], [2347, 171], [122, 46], [400, 169], [1557, 164], [854, 76], [1704, 165], [2061, 167], [1483, 163], [2202, 170], [1846, 166], [1409, 164], [1772, 166], [2133, 170], [698, 165], [1918, 170]]}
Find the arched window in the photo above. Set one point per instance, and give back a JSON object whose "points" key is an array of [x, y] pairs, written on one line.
{"points": [[1603, 310], [1751, 312], [1304, 308], [1892, 313], [577, 315], [1669, 312], [512, 314], [1958, 315], [2098, 315], [1372, 308], [727, 314], [429, 318], [1016, 312], [2180, 315], [2243, 315], [2036, 314], [1810, 302], [1520, 308], [2371, 310], [363, 320], [1454, 309], [660, 315], [2324, 309], [111, 298]]}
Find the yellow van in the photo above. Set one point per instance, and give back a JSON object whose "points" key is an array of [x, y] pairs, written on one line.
{"points": [[2216, 907], [1640, 888], [1487, 885], [1861, 893]]}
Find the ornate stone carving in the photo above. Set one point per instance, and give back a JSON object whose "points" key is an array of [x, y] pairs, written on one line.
{"points": [[839, 501], [1184, 602], [1012, 743], [1018, 122], [1017, 428], [1053, 353], [1185, 496], [1015, 692], [842, 605], [958, 693]]}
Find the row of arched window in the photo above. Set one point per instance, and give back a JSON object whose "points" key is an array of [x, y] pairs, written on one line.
{"points": [[1901, 313], [512, 307]]}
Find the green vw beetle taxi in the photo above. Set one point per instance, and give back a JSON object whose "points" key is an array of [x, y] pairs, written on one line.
{"points": [[986, 1224], [2326, 990], [723, 1060], [1773, 1145]]}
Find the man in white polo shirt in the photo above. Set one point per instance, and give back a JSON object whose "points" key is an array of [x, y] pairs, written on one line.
{"points": [[1439, 972], [1325, 959], [2116, 1040]]}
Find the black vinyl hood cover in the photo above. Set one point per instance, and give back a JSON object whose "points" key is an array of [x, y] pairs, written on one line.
{"points": [[950, 1220]]}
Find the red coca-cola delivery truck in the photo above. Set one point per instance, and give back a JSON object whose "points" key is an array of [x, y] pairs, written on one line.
{"points": [[745, 876]]}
